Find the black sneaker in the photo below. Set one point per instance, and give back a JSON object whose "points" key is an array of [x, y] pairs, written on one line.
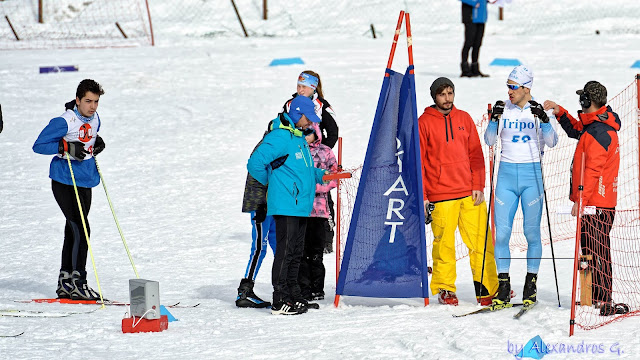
{"points": [[305, 305], [285, 308], [608, 309], [247, 298], [530, 290], [65, 285], [82, 291], [503, 295], [317, 296]]}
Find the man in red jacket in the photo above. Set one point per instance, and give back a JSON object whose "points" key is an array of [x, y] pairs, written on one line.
{"points": [[453, 177], [597, 134]]}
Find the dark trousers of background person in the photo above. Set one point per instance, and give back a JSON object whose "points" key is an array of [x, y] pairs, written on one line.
{"points": [[473, 34], [595, 241], [312, 271], [290, 232], [74, 250]]}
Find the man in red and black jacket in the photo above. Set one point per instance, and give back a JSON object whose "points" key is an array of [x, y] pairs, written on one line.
{"points": [[597, 134]]}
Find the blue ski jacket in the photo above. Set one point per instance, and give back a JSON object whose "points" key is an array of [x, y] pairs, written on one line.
{"points": [[283, 163], [85, 172]]}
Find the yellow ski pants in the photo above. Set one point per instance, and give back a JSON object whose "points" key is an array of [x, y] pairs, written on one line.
{"points": [[471, 220]]}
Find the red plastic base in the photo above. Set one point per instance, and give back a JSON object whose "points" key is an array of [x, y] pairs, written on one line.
{"points": [[145, 325]]}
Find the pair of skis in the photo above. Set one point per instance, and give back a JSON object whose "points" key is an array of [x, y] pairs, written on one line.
{"points": [[39, 313], [491, 308], [96, 302]]}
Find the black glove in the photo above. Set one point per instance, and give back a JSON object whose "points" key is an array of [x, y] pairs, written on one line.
{"points": [[538, 110], [75, 149], [497, 111], [70, 105], [98, 146], [261, 213]]}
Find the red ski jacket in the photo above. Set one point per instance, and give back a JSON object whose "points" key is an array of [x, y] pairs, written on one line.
{"points": [[598, 140], [452, 158]]}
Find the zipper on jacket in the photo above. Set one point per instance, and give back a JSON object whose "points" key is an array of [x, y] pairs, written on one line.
{"points": [[446, 130], [295, 192], [302, 152]]}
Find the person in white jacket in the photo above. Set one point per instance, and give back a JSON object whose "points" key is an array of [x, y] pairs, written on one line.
{"points": [[524, 129]]}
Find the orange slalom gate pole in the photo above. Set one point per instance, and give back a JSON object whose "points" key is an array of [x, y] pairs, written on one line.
{"points": [[395, 42], [576, 254]]}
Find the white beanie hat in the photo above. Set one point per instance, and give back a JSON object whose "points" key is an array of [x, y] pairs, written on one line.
{"points": [[522, 75]]}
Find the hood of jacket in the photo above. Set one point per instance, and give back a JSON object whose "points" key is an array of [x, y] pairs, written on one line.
{"points": [[284, 122], [604, 115]]}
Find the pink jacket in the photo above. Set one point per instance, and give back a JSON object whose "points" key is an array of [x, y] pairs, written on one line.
{"points": [[324, 159]]}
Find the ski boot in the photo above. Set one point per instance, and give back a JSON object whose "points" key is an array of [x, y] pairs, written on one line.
{"points": [[246, 298], [529, 292], [82, 291], [503, 296], [65, 285]]}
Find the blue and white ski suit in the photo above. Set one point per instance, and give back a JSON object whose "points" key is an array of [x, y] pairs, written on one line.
{"points": [[520, 179]]}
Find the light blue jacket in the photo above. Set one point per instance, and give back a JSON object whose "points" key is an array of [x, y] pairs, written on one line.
{"points": [[283, 163], [479, 14]]}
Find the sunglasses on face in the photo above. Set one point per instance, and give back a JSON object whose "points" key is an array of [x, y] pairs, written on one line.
{"points": [[514, 86]]}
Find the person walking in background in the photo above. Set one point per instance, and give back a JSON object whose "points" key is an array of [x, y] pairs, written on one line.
{"points": [[524, 129], [283, 163], [474, 17], [453, 177], [310, 85], [597, 135], [74, 134], [263, 235], [312, 271]]}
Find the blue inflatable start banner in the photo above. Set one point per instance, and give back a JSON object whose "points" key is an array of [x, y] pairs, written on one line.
{"points": [[385, 251]]}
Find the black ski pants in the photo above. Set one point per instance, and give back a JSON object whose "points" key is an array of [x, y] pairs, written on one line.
{"points": [[290, 232], [473, 34], [74, 249], [595, 241], [312, 271]]}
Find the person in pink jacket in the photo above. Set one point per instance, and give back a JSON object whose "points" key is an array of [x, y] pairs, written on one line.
{"points": [[312, 271]]}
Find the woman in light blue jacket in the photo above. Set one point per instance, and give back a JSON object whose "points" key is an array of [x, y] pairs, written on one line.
{"points": [[283, 163]]}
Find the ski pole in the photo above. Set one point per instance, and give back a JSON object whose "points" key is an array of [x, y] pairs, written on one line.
{"points": [[486, 233], [104, 185], [546, 205], [84, 226]]}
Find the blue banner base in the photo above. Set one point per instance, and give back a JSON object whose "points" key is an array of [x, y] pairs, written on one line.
{"points": [[505, 62], [636, 64], [164, 311], [286, 61], [56, 69]]}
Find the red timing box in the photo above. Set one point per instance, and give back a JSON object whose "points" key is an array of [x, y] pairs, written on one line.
{"points": [[145, 325]]}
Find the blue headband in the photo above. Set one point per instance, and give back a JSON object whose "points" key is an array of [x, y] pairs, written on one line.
{"points": [[308, 80]]}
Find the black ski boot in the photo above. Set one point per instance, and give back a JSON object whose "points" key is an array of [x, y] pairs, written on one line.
{"points": [[65, 285], [466, 70], [475, 70], [503, 295], [247, 299], [82, 291], [530, 290]]}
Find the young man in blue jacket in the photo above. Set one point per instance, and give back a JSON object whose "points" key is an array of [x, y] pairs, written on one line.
{"points": [[74, 134], [283, 163]]}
